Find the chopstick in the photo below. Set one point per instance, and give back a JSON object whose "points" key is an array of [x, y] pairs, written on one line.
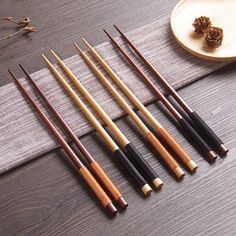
{"points": [[117, 152], [181, 120], [173, 165], [137, 158], [198, 121], [105, 180], [187, 160], [83, 171]]}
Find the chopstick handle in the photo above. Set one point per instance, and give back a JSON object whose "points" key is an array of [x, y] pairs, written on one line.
{"points": [[84, 172], [139, 160], [187, 160], [198, 139], [208, 132], [93, 184], [105, 180], [170, 161], [133, 171]]}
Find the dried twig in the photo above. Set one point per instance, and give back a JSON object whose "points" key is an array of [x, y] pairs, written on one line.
{"points": [[22, 22], [27, 29]]}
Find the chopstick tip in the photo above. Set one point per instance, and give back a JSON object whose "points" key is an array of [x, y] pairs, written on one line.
{"points": [[43, 56], [109, 36], [52, 52], [117, 29], [12, 75], [85, 42], [79, 49]]}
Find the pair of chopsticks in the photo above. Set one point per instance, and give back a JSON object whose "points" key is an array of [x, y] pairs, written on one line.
{"points": [[206, 134], [117, 152], [173, 165], [84, 172], [136, 156]]}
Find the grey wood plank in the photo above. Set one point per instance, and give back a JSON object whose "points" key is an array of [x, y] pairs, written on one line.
{"points": [[61, 22], [45, 197], [30, 139]]}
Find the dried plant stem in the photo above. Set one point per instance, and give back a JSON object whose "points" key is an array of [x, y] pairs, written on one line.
{"points": [[10, 19], [11, 35], [25, 29], [22, 22]]}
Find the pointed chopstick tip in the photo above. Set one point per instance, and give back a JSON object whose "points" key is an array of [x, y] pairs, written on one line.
{"points": [[109, 36], [117, 29], [79, 49]]}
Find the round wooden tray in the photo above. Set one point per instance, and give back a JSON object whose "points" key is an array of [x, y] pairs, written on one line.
{"points": [[222, 14]]}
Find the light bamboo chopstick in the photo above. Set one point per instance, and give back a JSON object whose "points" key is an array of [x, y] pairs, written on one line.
{"points": [[187, 160], [173, 165], [117, 152], [84, 172], [98, 170], [208, 133], [127, 145]]}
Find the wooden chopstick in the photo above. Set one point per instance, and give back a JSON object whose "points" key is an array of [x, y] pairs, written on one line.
{"points": [[200, 123], [84, 172], [187, 160], [106, 181], [173, 165], [137, 158], [117, 152]]}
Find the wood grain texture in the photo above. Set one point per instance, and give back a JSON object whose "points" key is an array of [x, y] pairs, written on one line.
{"points": [[62, 22], [29, 139], [46, 196], [220, 12]]}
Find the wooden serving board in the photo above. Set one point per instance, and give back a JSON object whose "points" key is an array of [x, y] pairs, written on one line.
{"points": [[222, 14]]}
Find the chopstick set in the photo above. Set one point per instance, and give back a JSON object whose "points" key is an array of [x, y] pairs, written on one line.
{"points": [[125, 151], [198, 121], [117, 152], [83, 171]]}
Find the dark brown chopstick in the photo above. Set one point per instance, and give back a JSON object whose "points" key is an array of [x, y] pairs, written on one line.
{"points": [[84, 172], [181, 120], [208, 135], [115, 149], [106, 181], [206, 130], [187, 160], [134, 155], [146, 132]]}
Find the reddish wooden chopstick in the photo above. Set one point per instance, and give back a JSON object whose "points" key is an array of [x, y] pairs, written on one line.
{"points": [[200, 123], [106, 181], [181, 120], [146, 132], [84, 172], [134, 155], [115, 149]]}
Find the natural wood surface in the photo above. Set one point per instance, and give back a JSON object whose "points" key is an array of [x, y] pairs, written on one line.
{"points": [[62, 22], [47, 197], [221, 14], [19, 124]]}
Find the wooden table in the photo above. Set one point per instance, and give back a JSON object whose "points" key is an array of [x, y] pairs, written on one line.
{"points": [[46, 196]]}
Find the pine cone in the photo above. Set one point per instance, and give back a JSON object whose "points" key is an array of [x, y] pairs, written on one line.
{"points": [[214, 37], [201, 24]]}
